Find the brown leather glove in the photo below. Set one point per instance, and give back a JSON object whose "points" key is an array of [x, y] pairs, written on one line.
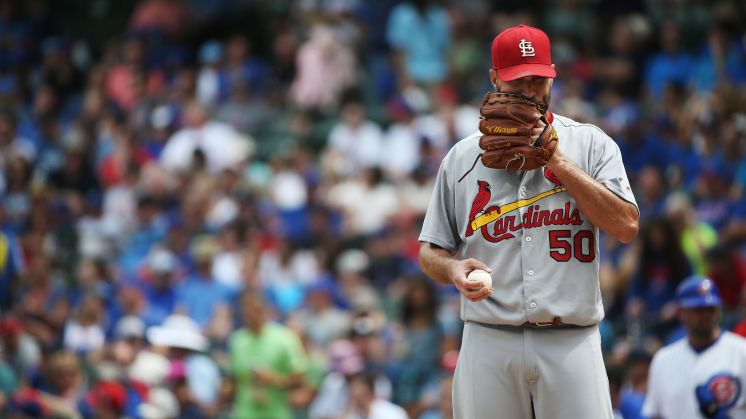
{"points": [[507, 122]]}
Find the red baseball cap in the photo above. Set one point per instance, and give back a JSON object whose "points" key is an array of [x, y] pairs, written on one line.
{"points": [[108, 394], [522, 51], [10, 325]]}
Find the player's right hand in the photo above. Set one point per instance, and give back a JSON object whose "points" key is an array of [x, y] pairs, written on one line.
{"points": [[459, 272]]}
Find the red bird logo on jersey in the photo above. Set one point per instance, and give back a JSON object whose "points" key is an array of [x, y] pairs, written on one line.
{"points": [[549, 174], [482, 198]]}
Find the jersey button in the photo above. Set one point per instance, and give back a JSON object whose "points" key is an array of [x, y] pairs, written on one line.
{"points": [[528, 238], [523, 189], [533, 305], [530, 271]]}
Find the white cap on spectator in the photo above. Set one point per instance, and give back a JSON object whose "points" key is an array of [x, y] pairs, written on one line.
{"points": [[178, 331], [161, 260], [129, 327], [352, 261], [161, 117]]}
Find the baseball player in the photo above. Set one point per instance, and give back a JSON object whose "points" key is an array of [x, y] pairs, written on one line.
{"points": [[703, 375], [531, 345]]}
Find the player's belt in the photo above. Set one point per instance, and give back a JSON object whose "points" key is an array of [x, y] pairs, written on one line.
{"points": [[555, 324]]}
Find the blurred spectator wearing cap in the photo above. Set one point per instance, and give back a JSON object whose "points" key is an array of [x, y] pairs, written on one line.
{"points": [[107, 400], [199, 295], [186, 347], [266, 360], [161, 127], [701, 375], [130, 329], [212, 81], [160, 289]]}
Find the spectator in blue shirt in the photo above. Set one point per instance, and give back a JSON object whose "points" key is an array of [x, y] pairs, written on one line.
{"points": [[199, 295], [671, 65], [420, 31]]}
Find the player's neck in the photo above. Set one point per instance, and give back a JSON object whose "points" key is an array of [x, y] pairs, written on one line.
{"points": [[700, 343]]}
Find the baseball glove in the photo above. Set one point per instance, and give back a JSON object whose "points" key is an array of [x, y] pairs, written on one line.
{"points": [[507, 122]]}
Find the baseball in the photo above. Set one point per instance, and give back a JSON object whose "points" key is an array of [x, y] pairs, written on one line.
{"points": [[482, 276]]}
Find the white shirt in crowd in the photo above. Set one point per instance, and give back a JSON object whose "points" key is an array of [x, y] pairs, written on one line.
{"points": [[360, 147], [380, 409], [223, 146]]}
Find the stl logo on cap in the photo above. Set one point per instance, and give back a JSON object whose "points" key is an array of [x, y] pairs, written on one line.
{"points": [[522, 51], [705, 288], [527, 50]]}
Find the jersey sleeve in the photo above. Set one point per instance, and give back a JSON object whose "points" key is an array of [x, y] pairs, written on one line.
{"points": [[608, 168], [439, 226]]}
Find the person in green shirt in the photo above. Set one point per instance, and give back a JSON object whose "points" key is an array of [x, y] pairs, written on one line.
{"points": [[267, 359]]}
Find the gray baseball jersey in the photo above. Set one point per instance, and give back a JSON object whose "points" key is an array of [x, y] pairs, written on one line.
{"points": [[543, 251]]}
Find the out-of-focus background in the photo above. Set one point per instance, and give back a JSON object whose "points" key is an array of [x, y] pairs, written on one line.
{"points": [[174, 173]]}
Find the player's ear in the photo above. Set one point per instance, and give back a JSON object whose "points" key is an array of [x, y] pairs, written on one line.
{"points": [[680, 314], [494, 79]]}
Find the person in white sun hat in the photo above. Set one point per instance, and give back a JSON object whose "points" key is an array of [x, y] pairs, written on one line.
{"points": [[186, 346]]}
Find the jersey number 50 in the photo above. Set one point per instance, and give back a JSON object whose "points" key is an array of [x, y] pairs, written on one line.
{"points": [[582, 245]]}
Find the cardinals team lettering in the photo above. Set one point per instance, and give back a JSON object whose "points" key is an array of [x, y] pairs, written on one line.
{"points": [[480, 217], [534, 217]]}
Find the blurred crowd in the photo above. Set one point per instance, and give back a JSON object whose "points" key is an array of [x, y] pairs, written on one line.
{"points": [[211, 209]]}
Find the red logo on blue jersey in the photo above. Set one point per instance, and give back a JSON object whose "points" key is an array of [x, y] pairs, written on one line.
{"points": [[725, 388]]}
